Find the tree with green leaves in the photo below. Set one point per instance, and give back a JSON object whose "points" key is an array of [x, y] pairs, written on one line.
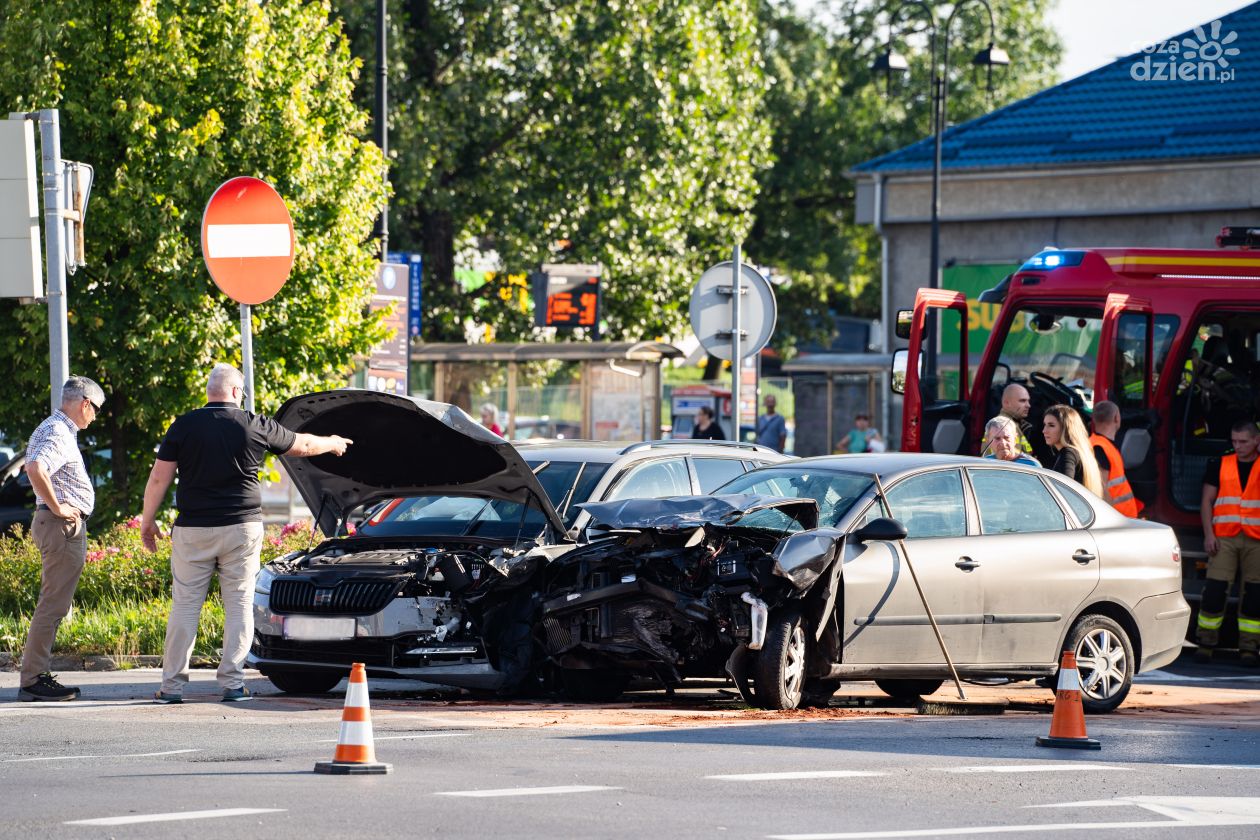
{"points": [[630, 128], [829, 113], [168, 100]]}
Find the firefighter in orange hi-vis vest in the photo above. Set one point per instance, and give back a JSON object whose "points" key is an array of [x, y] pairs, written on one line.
{"points": [[1116, 488], [1230, 512]]}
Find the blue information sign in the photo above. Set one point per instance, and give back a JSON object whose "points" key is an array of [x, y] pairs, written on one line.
{"points": [[413, 262]]}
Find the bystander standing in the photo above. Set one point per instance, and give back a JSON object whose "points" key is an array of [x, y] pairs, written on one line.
{"points": [[1116, 488], [217, 451], [1003, 442], [1230, 511], [707, 428], [64, 499], [771, 427]]}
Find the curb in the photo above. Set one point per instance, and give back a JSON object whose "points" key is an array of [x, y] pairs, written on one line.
{"points": [[9, 662]]}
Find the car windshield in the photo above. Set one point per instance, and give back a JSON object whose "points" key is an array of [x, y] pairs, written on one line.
{"points": [[452, 516], [834, 491], [558, 477]]}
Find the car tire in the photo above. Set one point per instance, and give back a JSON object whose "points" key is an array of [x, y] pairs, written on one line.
{"points": [[593, 686], [304, 682], [908, 690], [779, 671], [1104, 659]]}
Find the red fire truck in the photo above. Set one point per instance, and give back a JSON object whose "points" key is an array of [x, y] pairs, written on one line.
{"points": [[1171, 336]]}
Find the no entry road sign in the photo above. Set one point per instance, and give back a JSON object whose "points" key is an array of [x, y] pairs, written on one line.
{"points": [[247, 240]]}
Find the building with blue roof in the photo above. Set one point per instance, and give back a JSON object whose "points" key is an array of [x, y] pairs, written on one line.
{"points": [[1160, 148]]}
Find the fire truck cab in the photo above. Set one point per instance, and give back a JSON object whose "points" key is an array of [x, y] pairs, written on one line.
{"points": [[1171, 336]]}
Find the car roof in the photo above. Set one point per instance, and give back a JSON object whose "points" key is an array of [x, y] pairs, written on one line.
{"points": [[891, 464], [607, 452]]}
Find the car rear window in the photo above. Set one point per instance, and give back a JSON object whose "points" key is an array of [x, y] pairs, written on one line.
{"points": [[1084, 510]]}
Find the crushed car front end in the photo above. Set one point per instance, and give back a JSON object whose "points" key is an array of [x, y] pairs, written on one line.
{"points": [[679, 585]]}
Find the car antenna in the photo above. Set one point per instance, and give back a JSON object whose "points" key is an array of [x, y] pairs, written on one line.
{"points": [[901, 545]]}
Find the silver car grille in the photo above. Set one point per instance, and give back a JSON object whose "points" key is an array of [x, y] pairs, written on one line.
{"points": [[347, 597]]}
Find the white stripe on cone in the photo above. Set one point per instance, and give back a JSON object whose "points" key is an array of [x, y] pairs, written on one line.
{"points": [[1069, 679], [248, 241], [357, 695], [356, 733]]}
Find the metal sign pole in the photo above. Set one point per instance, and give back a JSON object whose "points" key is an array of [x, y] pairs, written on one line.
{"points": [[737, 357], [247, 356], [55, 251]]}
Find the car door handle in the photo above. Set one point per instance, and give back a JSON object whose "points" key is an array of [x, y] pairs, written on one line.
{"points": [[1084, 557], [966, 564]]}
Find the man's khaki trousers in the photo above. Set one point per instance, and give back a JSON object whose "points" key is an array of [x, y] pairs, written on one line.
{"points": [[196, 555], [63, 547]]}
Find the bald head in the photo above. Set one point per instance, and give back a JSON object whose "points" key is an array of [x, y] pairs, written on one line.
{"points": [[1015, 401]]}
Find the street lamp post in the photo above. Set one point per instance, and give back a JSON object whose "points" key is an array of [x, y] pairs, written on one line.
{"points": [[890, 62]]}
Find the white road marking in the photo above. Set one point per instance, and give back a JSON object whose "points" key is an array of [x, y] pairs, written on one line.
{"points": [[798, 774], [1030, 768], [404, 737], [248, 241], [179, 815], [1217, 766], [1185, 812], [525, 791], [75, 757]]}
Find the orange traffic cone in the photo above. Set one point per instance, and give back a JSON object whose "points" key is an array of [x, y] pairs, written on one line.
{"points": [[1067, 727], [355, 754]]}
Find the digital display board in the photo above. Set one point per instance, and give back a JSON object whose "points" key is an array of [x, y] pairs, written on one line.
{"points": [[567, 296]]}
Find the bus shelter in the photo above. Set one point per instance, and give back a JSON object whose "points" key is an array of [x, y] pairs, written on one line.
{"points": [[829, 389], [608, 390]]}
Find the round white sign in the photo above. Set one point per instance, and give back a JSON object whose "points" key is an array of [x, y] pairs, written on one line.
{"points": [[711, 310]]}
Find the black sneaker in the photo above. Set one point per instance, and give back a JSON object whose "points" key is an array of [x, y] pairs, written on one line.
{"points": [[46, 689]]}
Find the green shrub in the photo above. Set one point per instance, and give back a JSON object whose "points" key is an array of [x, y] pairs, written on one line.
{"points": [[123, 597], [120, 628]]}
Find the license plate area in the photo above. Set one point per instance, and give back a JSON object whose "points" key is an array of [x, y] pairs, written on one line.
{"points": [[312, 628]]}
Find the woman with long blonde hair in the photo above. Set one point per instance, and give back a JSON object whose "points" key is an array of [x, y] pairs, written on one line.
{"points": [[1074, 456]]}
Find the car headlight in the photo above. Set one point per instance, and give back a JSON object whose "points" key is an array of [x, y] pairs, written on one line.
{"points": [[262, 583]]}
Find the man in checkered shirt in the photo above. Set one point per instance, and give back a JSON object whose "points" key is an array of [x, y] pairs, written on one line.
{"points": [[64, 499]]}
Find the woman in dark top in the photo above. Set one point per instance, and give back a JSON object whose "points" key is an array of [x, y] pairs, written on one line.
{"points": [[706, 427], [1073, 456]]}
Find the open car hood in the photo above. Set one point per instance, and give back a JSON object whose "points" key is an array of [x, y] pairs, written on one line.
{"points": [[691, 511], [403, 446]]}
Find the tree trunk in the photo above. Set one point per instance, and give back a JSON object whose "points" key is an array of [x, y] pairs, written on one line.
{"points": [[437, 234], [712, 368]]}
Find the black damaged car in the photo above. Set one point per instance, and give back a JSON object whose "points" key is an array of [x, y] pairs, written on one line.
{"points": [[692, 587]]}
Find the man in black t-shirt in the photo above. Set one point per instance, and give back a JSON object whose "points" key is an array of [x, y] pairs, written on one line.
{"points": [[217, 450]]}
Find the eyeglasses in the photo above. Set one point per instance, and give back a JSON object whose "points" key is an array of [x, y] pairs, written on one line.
{"points": [[91, 402]]}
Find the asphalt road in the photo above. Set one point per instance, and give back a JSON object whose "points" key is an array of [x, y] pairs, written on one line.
{"points": [[536, 770]]}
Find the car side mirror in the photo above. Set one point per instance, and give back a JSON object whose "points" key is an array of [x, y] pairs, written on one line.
{"points": [[905, 317], [881, 530], [900, 360]]}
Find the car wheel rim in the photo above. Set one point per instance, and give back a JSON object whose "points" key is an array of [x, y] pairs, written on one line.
{"points": [[794, 663], [1101, 661]]}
